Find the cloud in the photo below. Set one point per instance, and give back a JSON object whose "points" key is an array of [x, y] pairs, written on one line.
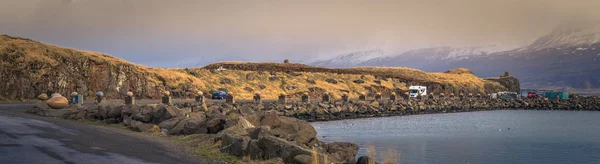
{"points": [[153, 32]]}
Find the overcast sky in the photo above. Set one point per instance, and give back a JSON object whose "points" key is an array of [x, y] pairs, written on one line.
{"points": [[195, 32]]}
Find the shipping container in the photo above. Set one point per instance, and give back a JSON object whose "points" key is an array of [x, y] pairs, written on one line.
{"points": [[550, 95], [563, 95]]}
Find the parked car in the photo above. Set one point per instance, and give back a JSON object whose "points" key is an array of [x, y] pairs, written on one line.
{"points": [[219, 95], [532, 95]]}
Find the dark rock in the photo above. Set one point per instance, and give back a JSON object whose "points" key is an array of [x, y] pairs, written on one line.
{"points": [[166, 112], [226, 81], [291, 87], [262, 86], [248, 89], [250, 76], [144, 114], [170, 123], [115, 112], [274, 78], [292, 73], [365, 160], [332, 81], [274, 147], [215, 125], [140, 126], [377, 81], [359, 81], [302, 159], [311, 81], [191, 125], [291, 129], [234, 141], [259, 132]]}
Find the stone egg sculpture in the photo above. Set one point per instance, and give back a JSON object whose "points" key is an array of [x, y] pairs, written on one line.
{"points": [[43, 97], [166, 93], [58, 102], [99, 94], [55, 95], [130, 94]]}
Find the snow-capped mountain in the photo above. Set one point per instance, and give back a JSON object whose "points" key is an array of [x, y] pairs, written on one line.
{"points": [[567, 57], [351, 59], [378, 57], [581, 34]]}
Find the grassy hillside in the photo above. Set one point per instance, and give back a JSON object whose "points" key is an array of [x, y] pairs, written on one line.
{"points": [[30, 68]]}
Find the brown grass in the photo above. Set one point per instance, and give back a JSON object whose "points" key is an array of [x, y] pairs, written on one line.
{"points": [[203, 79], [315, 156], [391, 157], [371, 154]]}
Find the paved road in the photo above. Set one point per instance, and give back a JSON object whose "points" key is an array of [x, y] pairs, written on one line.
{"points": [[26, 138]]}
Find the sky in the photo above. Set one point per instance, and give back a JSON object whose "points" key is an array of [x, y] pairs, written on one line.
{"points": [[188, 33]]}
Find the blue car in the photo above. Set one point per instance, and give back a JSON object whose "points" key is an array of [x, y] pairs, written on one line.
{"points": [[219, 95]]}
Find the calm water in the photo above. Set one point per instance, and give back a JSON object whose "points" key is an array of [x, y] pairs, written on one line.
{"points": [[476, 137]]}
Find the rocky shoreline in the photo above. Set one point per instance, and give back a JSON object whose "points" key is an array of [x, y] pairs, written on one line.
{"points": [[280, 129], [352, 109], [257, 135]]}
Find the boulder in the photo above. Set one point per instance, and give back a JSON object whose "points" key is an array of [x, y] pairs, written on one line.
{"points": [[292, 129], [144, 114], [215, 124], [58, 102], [166, 112], [57, 112], [140, 126], [246, 110], [195, 126], [115, 112], [190, 125], [259, 132], [274, 147], [243, 123], [234, 141], [365, 160], [170, 123], [344, 152], [41, 105], [302, 159]]}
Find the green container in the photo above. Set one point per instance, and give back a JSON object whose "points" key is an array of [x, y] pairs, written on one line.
{"points": [[550, 95], [563, 95]]}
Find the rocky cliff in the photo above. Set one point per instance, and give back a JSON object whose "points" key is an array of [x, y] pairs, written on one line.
{"points": [[29, 68]]}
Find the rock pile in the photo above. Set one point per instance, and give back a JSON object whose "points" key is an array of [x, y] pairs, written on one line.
{"points": [[260, 135]]}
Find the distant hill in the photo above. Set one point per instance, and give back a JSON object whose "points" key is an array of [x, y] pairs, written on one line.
{"points": [[29, 68], [568, 58]]}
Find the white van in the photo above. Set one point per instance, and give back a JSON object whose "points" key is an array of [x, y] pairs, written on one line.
{"points": [[416, 90]]}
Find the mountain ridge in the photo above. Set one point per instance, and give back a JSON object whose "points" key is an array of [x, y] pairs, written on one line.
{"points": [[565, 58]]}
